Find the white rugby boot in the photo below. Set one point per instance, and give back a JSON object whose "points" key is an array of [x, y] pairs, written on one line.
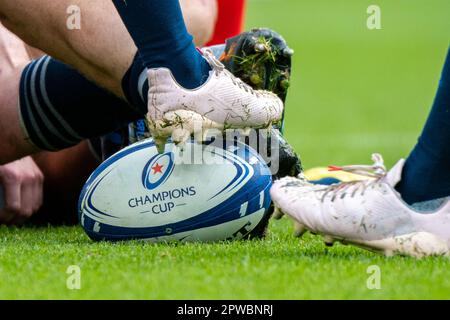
{"points": [[222, 102], [368, 213]]}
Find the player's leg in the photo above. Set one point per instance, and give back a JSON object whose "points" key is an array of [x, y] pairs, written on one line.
{"points": [[13, 59], [373, 213], [426, 174], [16, 145], [101, 48], [271, 72], [58, 108], [21, 180], [64, 172], [51, 159], [189, 91], [170, 47], [68, 176]]}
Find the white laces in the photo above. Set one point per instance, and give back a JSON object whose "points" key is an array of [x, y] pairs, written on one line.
{"points": [[218, 68], [377, 171], [373, 171]]}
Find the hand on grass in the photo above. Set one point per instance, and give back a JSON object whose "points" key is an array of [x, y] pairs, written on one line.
{"points": [[22, 184]]}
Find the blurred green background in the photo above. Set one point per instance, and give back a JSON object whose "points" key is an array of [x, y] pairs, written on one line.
{"points": [[357, 91]]}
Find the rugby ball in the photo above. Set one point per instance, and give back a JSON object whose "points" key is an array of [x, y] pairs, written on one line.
{"points": [[198, 193]]}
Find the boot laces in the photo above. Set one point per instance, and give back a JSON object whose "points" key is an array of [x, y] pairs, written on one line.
{"points": [[375, 172], [219, 68]]}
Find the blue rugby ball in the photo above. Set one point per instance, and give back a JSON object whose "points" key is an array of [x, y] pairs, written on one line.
{"points": [[200, 193]]}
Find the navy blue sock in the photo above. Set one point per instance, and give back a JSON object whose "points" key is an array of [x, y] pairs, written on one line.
{"points": [[59, 107], [159, 32], [426, 175], [135, 81], [135, 84]]}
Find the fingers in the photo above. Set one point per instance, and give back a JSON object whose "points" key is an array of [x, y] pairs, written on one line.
{"points": [[12, 200], [22, 182], [26, 204], [32, 188], [38, 191]]}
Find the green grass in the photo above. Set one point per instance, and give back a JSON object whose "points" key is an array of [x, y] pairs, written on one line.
{"points": [[33, 264], [354, 91]]}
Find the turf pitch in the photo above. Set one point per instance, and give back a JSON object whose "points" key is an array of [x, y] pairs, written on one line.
{"points": [[354, 91]]}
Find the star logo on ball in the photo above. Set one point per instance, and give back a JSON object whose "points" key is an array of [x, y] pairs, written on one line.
{"points": [[157, 168]]}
